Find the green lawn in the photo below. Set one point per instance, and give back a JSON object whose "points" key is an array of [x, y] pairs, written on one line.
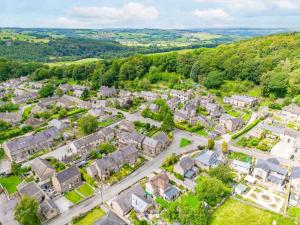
{"points": [[233, 212], [202, 132], [10, 183], [295, 213], [73, 197], [190, 199], [91, 217], [239, 156], [184, 142], [85, 190], [27, 112]]}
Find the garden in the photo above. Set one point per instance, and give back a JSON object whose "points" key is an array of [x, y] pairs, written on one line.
{"points": [[78, 194], [90, 217], [262, 143], [234, 212], [10, 183], [197, 128], [239, 156]]}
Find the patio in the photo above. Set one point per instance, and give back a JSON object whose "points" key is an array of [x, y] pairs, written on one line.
{"points": [[266, 198]]}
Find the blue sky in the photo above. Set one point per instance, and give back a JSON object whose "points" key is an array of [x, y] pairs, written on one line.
{"points": [[150, 13]]}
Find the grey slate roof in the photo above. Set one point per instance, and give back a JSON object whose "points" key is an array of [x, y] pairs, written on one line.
{"points": [[31, 189], [268, 166], [40, 166], [150, 142], [186, 163], [27, 141], [207, 157], [110, 219], [161, 138], [124, 200], [295, 174], [67, 174], [172, 191]]}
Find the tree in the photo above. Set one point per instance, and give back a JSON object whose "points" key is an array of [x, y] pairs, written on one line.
{"points": [[106, 148], [47, 90], [88, 124], [223, 173], [85, 94], [214, 80], [275, 83], [26, 212], [211, 144], [224, 147], [211, 190], [168, 123], [192, 215]]}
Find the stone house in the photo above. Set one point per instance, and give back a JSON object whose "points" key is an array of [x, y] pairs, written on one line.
{"points": [[295, 179], [31, 189], [21, 148], [67, 179], [241, 167], [106, 92], [230, 123], [151, 146], [48, 209], [11, 117], [186, 167], [271, 172], [208, 159], [42, 169], [291, 113], [128, 138], [241, 101]]}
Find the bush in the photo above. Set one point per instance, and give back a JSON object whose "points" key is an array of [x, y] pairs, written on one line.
{"points": [[249, 127]]}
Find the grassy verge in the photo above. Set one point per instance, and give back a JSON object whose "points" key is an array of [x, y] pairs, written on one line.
{"points": [[184, 142]]}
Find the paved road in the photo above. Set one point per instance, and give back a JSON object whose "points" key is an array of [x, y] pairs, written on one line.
{"points": [[133, 178]]}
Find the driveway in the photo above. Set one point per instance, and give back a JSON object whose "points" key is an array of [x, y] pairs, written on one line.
{"points": [[63, 204], [5, 165], [7, 210]]}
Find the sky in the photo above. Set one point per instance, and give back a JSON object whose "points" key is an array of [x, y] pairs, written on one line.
{"points": [[165, 14]]}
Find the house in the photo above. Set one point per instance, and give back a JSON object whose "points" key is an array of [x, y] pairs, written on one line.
{"points": [[108, 133], [151, 146], [106, 92], [24, 97], [291, 113], [171, 194], [241, 101], [185, 167], [208, 159], [163, 139], [149, 96], [102, 168], [48, 209], [86, 143], [182, 95], [20, 148], [127, 138], [140, 203], [295, 179], [270, 171], [110, 219], [42, 169], [158, 185], [241, 167], [67, 179], [122, 204], [180, 116], [97, 112], [34, 122], [173, 103], [230, 123], [31, 189], [59, 124], [11, 117], [75, 102], [240, 189], [65, 88], [100, 103], [126, 125], [154, 107]]}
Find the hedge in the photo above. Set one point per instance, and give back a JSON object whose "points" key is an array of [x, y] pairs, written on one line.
{"points": [[249, 127]]}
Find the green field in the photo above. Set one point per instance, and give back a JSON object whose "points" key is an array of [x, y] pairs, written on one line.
{"points": [[184, 142], [91, 217], [233, 212], [10, 183], [76, 62]]}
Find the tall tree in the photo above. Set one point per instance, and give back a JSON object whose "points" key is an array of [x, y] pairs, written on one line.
{"points": [[26, 212]]}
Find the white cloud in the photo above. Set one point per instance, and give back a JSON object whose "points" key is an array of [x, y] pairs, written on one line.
{"points": [[110, 15], [213, 17], [256, 5]]}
